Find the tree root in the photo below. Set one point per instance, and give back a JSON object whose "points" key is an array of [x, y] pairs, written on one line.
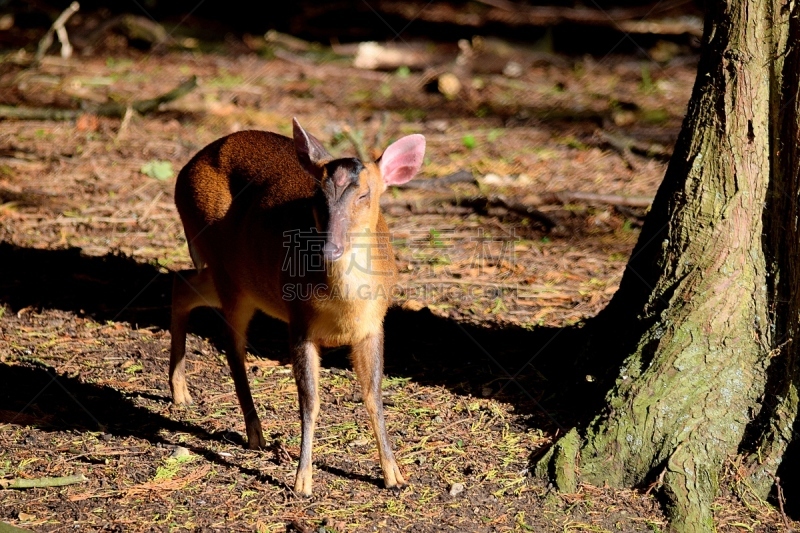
{"points": [[688, 485], [689, 488], [560, 463]]}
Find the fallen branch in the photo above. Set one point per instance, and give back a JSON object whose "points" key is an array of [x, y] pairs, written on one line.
{"points": [[389, 56], [668, 26], [114, 109], [38, 113], [482, 55], [626, 145], [462, 176], [567, 197], [518, 15], [530, 200], [526, 207], [401, 210], [288, 42], [110, 109], [66, 221], [60, 31], [134, 27], [482, 204], [20, 483], [313, 68]]}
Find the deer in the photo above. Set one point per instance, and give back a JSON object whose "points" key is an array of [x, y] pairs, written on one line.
{"points": [[277, 224]]}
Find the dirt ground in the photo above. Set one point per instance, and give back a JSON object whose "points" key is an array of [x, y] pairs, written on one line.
{"points": [[89, 238]]}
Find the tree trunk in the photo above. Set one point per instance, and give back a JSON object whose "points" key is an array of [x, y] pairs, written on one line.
{"points": [[771, 448], [709, 302]]}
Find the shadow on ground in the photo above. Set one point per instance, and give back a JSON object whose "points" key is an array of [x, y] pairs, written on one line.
{"points": [[533, 369], [67, 403]]}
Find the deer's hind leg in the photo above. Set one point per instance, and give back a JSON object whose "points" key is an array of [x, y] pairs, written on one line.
{"points": [[238, 311], [190, 289]]}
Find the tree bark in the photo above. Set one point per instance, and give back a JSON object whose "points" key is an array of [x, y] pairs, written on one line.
{"points": [[771, 448], [709, 303]]}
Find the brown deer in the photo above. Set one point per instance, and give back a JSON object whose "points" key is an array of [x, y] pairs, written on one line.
{"points": [[279, 225]]}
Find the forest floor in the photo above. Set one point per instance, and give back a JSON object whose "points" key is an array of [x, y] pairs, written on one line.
{"points": [[89, 239]]}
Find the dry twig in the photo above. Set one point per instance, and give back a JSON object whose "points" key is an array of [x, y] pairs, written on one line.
{"points": [[780, 504], [60, 31], [357, 143], [169, 485]]}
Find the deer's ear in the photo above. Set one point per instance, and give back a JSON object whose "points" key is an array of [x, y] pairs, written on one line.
{"points": [[310, 151], [402, 159]]}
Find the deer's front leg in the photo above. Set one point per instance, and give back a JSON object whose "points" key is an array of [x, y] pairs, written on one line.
{"points": [[305, 363], [367, 357]]}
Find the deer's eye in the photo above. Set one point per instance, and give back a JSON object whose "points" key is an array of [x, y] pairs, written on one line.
{"points": [[363, 197]]}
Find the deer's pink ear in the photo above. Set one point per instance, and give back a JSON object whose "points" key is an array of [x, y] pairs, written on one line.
{"points": [[310, 151], [402, 159]]}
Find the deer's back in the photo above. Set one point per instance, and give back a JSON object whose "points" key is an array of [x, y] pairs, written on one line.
{"points": [[246, 167]]}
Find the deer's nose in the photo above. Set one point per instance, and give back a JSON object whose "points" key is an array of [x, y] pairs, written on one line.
{"points": [[332, 251]]}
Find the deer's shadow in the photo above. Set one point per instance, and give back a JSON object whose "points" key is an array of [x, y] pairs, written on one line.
{"points": [[530, 368]]}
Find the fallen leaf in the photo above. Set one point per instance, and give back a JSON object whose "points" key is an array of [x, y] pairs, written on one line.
{"points": [[160, 170], [87, 122]]}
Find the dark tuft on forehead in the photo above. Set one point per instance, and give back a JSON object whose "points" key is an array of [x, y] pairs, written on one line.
{"points": [[344, 171]]}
